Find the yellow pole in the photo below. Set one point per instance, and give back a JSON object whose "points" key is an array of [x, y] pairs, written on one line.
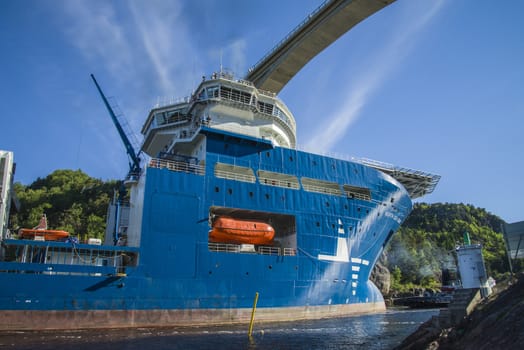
{"points": [[253, 315]]}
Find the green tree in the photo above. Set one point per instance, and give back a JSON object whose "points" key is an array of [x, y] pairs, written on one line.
{"points": [[71, 200]]}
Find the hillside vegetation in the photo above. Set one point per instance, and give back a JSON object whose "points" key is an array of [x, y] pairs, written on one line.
{"points": [[77, 203], [426, 242], [72, 201]]}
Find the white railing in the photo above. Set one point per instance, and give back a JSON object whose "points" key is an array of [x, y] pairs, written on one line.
{"points": [[262, 250], [168, 101], [234, 176], [223, 247], [177, 166], [278, 183], [312, 188], [358, 195]]}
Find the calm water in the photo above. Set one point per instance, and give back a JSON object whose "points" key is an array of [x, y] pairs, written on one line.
{"points": [[379, 331]]}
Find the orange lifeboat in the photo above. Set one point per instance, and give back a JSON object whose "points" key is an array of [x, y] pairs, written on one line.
{"points": [[229, 230], [49, 235], [41, 231]]}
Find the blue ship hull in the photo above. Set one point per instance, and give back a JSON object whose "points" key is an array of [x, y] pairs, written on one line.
{"points": [[327, 243]]}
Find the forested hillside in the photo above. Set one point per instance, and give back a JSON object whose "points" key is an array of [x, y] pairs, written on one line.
{"points": [[427, 240], [77, 203]]}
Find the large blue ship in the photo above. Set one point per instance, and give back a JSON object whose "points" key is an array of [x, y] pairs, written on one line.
{"points": [[221, 207]]}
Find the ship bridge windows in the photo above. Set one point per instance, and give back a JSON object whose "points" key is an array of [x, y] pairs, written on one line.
{"points": [[266, 108], [212, 91], [234, 172], [235, 95], [321, 186], [357, 192], [278, 179], [282, 115], [169, 117]]}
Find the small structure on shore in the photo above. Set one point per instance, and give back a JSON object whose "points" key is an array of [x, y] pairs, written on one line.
{"points": [[471, 266]]}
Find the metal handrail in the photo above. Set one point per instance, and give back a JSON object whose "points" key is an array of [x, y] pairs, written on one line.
{"points": [[313, 188], [235, 176], [177, 166], [278, 183]]}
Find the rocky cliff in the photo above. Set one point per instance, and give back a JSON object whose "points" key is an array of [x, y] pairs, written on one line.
{"points": [[496, 323]]}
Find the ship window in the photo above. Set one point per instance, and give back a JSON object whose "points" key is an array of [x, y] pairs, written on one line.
{"points": [[217, 189], [278, 179], [357, 192], [230, 191], [235, 95], [321, 186], [234, 172], [266, 108], [212, 92]]}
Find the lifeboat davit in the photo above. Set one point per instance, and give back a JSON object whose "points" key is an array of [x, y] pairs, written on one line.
{"points": [[229, 230]]}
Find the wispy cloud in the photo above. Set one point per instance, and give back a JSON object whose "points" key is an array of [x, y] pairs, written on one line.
{"points": [[168, 44], [385, 62], [95, 31]]}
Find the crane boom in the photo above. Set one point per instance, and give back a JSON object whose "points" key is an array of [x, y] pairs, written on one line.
{"points": [[134, 165]]}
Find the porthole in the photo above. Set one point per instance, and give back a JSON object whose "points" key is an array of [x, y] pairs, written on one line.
{"points": [[217, 189], [267, 195], [250, 193], [230, 191]]}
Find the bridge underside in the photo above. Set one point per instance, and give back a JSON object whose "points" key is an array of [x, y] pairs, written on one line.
{"points": [[325, 25]]}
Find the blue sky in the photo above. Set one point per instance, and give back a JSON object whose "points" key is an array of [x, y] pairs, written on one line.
{"points": [[430, 85]]}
